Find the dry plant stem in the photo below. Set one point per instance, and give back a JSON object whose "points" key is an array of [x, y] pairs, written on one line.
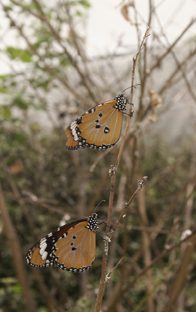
{"points": [[73, 61], [191, 239], [112, 171], [34, 51], [180, 276], [120, 288], [103, 281], [49, 300], [170, 79], [123, 214], [141, 183], [146, 249], [136, 23], [143, 69], [187, 222], [16, 251], [117, 290], [77, 43], [162, 57], [178, 63], [82, 204]]}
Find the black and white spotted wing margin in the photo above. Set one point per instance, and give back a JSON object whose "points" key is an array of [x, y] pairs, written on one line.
{"points": [[72, 247]]}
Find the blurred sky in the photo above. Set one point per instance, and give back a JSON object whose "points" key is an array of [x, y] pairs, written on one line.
{"points": [[106, 29], [106, 24]]}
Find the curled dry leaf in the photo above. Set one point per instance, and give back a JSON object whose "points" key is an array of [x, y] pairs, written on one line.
{"points": [[155, 100], [125, 12], [153, 117], [16, 168]]}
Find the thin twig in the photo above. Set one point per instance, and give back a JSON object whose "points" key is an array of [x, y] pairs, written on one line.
{"points": [[74, 62], [179, 66], [170, 48]]}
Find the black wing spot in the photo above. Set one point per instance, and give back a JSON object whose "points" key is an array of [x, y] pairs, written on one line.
{"points": [[100, 114], [74, 237], [97, 126], [73, 248]]}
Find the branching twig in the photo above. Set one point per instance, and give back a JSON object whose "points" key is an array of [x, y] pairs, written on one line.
{"points": [[131, 283], [162, 57], [112, 173]]}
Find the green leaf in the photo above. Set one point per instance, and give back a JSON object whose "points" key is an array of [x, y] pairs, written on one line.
{"points": [[85, 3], [3, 89], [20, 54], [42, 309], [20, 103], [64, 60], [42, 35], [4, 76], [17, 289], [5, 112], [41, 83], [20, 138], [8, 8], [8, 280]]}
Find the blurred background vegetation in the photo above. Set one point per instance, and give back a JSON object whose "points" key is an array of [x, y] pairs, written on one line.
{"points": [[51, 80]]}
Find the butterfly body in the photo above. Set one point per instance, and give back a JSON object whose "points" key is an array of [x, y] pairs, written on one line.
{"points": [[72, 247], [99, 128]]}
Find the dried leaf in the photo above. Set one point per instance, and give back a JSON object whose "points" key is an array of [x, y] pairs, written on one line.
{"points": [[125, 12], [16, 168], [155, 98]]}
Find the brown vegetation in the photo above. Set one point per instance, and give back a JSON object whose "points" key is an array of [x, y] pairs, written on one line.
{"points": [[149, 265]]}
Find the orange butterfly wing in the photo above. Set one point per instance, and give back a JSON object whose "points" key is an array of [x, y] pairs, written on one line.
{"points": [[99, 128], [72, 247], [77, 250], [42, 253], [34, 258], [103, 127], [70, 142]]}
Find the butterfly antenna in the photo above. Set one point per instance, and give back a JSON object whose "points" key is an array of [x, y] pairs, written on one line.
{"points": [[138, 84], [100, 203]]}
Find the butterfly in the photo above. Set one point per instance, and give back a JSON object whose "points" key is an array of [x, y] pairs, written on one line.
{"points": [[71, 247], [100, 127]]}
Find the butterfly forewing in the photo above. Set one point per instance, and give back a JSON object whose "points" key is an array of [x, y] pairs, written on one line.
{"points": [[77, 250], [104, 127], [42, 253], [34, 258], [99, 128], [72, 247]]}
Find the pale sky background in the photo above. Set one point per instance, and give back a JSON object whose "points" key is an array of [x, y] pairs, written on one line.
{"points": [[105, 25]]}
